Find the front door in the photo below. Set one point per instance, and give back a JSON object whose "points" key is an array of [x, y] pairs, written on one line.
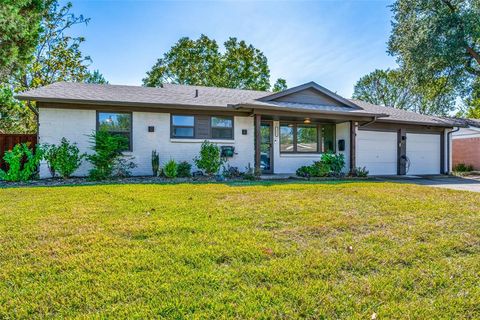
{"points": [[266, 147]]}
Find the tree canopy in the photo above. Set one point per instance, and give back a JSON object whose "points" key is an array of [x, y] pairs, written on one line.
{"points": [[200, 62], [19, 29], [57, 56], [438, 39], [392, 88]]}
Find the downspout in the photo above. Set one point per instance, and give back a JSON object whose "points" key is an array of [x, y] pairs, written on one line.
{"points": [[449, 134], [369, 122]]}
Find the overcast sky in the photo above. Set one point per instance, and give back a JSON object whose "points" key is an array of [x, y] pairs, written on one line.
{"points": [[330, 42]]}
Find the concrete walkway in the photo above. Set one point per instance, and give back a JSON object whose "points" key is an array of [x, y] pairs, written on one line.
{"points": [[470, 183]]}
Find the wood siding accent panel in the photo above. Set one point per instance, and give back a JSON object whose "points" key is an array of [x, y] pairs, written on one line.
{"points": [[202, 127], [310, 96]]}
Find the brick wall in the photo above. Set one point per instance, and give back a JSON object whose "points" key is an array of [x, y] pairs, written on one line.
{"points": [[466, 151]]}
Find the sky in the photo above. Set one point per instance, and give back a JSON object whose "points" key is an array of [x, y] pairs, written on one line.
{"points": [[333, 43]]}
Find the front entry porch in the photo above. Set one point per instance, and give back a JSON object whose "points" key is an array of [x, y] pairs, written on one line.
{"points": [[284, 143]]}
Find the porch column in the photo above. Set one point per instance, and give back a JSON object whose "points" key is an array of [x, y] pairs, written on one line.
{"points": [[353, 145], [258, 119]]}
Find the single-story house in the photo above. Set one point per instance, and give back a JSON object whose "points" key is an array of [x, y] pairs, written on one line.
{"points": [[274, 132], [466, 143]]}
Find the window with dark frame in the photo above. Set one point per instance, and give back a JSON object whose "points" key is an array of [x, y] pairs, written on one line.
{"points": [[183, 126], [195, 126], [116, 123], [307, 138]]}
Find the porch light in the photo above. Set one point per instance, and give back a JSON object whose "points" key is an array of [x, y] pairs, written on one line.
{"points": [[307, 120]]}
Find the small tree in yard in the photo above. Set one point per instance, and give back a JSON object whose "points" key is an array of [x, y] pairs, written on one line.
{"points": [[63, 159], [108, 150], [209, 159]]}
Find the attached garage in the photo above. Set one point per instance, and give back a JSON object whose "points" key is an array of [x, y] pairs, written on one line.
{"points": [[423, 151], [377, 151]]}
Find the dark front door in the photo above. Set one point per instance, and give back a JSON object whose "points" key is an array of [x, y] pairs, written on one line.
{"points": [[266, 147]]}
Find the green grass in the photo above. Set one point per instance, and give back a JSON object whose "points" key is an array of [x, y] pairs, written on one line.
{"points": [[240, 251]]}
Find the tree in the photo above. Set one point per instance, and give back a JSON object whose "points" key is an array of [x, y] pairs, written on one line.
{"points": [[57, 57], [473, 101], [280, 85], [434, 39], [95, 77], [393, 88], [199, 62], [19, 29]]}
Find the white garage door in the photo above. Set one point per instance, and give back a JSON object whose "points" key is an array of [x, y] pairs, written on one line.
{"points": [[377, 151], [423, 151]]}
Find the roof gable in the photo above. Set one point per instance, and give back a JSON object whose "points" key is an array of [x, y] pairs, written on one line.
{"points": [[310, 93]]}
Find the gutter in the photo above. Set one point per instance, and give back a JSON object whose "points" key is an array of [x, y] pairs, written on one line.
{"points": [[449, 135]]}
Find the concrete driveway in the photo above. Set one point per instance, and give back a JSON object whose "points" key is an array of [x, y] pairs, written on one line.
{"points": [[471, 183]]}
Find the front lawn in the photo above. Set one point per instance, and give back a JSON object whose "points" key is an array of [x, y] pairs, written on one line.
{"points": [[310, 250]]}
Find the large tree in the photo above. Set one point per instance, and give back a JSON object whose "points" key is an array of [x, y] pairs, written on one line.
{"points": [[200, 62], [19, 29], [392, 88], [57, 57], [435, 39]]}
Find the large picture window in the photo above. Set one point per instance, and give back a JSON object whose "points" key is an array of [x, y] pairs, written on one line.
{"points": [[307, 138], [202, 127], [116, 123]]}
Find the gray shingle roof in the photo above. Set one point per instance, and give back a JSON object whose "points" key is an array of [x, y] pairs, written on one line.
{"points": [[209, 97]]}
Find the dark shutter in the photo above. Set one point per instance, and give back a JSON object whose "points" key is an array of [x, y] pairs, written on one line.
{"points": [[202, 127]]}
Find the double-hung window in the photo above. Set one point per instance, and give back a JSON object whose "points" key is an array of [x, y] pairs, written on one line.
{"points": [[202, 127], [116, 123]]}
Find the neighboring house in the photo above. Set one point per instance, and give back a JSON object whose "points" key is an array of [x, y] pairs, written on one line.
{"points": [[275, 132], [466, 143]]}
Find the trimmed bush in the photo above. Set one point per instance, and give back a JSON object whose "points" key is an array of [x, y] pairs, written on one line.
{"points": [[184, 170], [360, 172]]}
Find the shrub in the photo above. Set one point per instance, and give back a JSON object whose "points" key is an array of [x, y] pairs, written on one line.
{"points": [[64, 158], [155, 163], [462, 167], [108, 149], [170, 170], [184, 170], [329, 165], [122, 167], [251, 173], [335, 162], [209, 159], [231, 172], [22, 163], [361, 172]]}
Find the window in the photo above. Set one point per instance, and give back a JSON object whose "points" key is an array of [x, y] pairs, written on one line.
{"points": [[222, 127], [286, 138], [117, 123], [306, 138], [183, 126], [202, 127], [328, 138]]}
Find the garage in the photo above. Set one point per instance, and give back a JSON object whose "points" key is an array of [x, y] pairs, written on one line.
{"points": [[377, 151], [423, 151]]}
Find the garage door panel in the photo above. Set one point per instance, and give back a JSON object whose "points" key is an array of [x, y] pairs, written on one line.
{"points": [[377, 151], [423, 151]]}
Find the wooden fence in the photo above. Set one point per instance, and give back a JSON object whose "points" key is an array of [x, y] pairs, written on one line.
{"points": [[8, 141]]}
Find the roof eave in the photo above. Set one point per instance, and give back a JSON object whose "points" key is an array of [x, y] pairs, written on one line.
{"points": [[127, 104]]}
